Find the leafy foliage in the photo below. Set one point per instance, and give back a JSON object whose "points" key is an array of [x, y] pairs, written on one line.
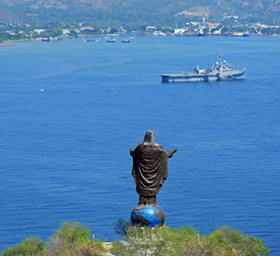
{"points": [[74, 239], [228, 240], [187, 242], [30, 247], [71, 239]]}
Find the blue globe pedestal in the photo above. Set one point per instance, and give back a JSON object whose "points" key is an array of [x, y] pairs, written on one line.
{"points": [[147, 215]]}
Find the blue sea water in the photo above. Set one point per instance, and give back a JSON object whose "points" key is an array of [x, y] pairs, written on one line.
{"points": [[70, 110]]}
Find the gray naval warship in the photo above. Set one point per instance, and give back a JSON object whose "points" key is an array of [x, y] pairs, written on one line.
{"points": [[220, 71]]}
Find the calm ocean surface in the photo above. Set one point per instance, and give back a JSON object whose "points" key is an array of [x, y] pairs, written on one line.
{"points": [[65, 149]]}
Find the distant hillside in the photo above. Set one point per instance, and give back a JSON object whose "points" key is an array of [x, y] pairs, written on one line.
{"points": [[123, 11]]}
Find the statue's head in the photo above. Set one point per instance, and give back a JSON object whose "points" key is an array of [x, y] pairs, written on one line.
{"points": [[149, 137]]}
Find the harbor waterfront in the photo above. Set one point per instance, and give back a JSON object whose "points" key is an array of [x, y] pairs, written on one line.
{"points": [[70, 111]]}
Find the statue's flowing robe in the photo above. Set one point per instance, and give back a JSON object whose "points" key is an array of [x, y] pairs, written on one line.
{"points": [[149, 168]]}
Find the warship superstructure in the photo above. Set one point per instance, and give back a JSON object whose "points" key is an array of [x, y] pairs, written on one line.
{"points": [[220, 71]]}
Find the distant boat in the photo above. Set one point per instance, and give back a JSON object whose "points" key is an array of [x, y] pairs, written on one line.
{"points": [[220, 71], [111, 40], [125, 41], [46, 39], [92, 40]]}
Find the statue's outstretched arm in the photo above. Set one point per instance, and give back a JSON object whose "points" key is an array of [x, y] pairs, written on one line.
{"points": [[171, 152]]}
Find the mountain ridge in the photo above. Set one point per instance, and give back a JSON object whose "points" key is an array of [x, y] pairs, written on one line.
{"points": [[23, 10]]}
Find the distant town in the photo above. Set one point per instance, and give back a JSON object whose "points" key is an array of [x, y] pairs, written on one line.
{"points": [[13, 32]]}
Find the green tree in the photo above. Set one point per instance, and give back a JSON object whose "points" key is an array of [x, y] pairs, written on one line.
{"points": [[32, 246], [73, 239], [185, 241], [233, 242], [145, 241]]}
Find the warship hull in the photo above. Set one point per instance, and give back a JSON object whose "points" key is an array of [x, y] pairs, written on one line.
{"points": [[220, 71], [192, 77]]}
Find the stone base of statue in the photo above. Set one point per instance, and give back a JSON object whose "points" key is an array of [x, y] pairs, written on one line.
{"points": [[147, 215]]}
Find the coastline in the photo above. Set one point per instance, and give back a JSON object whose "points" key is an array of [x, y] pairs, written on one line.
{"points": [[12, 42], [40, 39], [6, 43]]}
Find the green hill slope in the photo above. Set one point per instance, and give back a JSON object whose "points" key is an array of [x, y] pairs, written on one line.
{"points": [[139, 10]]}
